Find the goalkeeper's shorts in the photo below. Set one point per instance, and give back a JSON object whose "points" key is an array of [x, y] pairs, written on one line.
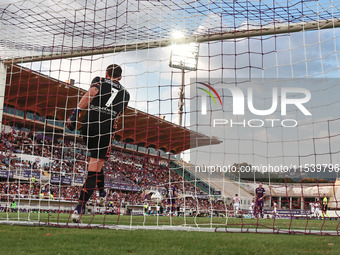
{"points": [[171, 201], [259, 203], [97, 139]]}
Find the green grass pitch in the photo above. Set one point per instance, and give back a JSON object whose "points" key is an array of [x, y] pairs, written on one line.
{"points": [[44, 240], [50, 240]]}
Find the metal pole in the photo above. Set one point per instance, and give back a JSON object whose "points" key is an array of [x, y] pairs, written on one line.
{"points": [[3, 74], [181, 99], [239, 182]]}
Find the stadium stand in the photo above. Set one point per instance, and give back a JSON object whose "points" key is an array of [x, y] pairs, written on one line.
{"points": [[35, 144], [61, 170]]}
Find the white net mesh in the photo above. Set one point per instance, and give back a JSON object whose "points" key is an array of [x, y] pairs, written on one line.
{"points": [[51, 50]]}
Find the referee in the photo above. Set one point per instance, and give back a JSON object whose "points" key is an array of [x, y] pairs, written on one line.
{"points": [[324, 206], [105, 101]]}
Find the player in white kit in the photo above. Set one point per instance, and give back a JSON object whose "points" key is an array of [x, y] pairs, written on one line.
{"points": [[236, 201], [251, 209], [312, 209], [317, 210], [274, 212]]}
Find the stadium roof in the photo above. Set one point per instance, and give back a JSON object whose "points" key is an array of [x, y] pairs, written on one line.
{"points": [[30, 91]]}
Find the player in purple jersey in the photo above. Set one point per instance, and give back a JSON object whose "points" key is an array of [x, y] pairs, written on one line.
{"points": [[259, 200], [171, 197]]}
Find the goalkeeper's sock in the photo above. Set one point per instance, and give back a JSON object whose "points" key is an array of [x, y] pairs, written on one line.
{"points": [[79, 209], [87, 191]]}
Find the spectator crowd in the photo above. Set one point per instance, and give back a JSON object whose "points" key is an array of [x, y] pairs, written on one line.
{"points": [[69, 159]]}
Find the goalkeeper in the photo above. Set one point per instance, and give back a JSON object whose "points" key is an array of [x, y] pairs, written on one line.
{"points": [[105, 101]]}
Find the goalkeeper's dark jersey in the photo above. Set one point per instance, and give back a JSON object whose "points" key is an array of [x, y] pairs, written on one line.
{"points": [[110, 101], [171, 192], [259, 192]]}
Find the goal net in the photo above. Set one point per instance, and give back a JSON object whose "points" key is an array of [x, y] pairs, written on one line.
{"points": [[231, 125]]}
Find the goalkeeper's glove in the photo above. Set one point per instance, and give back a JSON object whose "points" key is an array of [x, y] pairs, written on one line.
{"points": [[71, 122]]}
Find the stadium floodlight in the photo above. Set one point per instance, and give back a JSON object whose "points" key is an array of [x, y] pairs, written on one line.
{"points": [[185, 57], [177, 35]]}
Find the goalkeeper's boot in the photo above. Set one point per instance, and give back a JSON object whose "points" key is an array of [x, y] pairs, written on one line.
{"points": [[76, 214], [76, 217]]}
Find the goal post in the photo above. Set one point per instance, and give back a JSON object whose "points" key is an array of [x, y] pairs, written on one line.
{"points": [[3, 71], [265, 30]]}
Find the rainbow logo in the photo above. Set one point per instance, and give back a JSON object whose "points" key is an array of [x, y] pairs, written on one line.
{"points": [[209, 93]]}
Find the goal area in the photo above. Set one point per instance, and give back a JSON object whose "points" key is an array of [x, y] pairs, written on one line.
{"points": [[232, 123]]}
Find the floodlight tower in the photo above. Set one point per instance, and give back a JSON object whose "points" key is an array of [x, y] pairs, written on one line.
{"points": [[185, 57]]}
